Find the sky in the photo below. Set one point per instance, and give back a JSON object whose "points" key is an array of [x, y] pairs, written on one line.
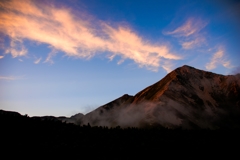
{"points": [[62, 57]]}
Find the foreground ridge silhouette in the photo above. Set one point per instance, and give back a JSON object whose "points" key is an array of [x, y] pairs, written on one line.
{"points": [[23, 133]]}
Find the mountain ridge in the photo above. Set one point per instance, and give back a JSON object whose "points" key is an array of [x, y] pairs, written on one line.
{"points": [[186, 97]]}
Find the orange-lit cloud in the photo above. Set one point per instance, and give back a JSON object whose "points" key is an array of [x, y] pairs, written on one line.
{"points": [[74, 35], [218, 58], [188, 34], [1, 57], [190, 27], [128, 44]]}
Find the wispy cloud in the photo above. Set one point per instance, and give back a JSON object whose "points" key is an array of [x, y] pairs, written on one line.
{"points": [[188, 33], [76, 36], [197, 41], [1, 57], [218, 58], [168, 66], [16, 48], [190, 27], [8, 78], [38, 60], [135, 48]]}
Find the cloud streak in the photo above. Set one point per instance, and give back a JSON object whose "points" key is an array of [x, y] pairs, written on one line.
{"points": [[218, 58], [8, 78], [190, 27], [38, 60], [188, 33], [193, 43], [75, 35], [16, 48]]}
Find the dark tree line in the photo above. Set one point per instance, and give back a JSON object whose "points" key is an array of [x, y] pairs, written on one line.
{"points": [[24, 133]]}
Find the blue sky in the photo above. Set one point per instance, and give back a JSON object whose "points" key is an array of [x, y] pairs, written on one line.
{"points": [[64, 57]]}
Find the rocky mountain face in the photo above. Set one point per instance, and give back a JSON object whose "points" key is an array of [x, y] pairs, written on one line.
{"points": [[186, 97]]}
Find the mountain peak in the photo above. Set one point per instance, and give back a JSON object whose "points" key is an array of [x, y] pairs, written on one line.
{"points": [[186, 69], [154, 91], [186, 97], [186, 66]]}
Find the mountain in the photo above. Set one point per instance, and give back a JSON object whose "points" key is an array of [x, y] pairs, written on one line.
{"points": [[186, 97], [73, 119], [9, 113]]}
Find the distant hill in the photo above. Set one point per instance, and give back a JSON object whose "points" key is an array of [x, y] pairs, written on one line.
{"points": [[187, 97]]}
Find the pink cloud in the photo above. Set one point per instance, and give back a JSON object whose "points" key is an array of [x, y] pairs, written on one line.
{"points": [[16, 48], [189, 33], [218, 58], [190, 27], [196, 41], [74, 35]]}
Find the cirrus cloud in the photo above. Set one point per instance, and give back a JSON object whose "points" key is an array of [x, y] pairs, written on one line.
{"points": [[218, 58], [75, 35], [10, 78], [188, 33], [190, 27], [37, 60]]}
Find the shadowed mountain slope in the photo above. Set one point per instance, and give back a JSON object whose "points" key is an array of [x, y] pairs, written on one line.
{"points": [[187, 97]]}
